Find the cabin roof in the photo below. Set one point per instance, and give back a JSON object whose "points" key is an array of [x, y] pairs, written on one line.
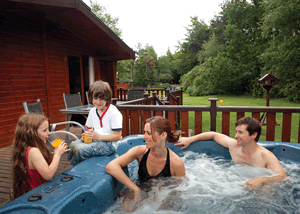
{"points": [[77, 17]]}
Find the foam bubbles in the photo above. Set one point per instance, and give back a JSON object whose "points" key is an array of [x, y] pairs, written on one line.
{"points": [[216, 185]]}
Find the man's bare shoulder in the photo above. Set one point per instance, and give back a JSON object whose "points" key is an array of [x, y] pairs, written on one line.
{"points": [[231, 142], [266, 154]]}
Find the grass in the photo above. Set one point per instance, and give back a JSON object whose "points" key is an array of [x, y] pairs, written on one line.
{"points": [[241, 101]]}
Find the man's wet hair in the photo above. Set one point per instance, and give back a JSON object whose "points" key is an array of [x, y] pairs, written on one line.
{"points": [[253, 126]]}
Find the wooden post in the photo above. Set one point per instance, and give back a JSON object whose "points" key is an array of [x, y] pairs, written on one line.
{"points": [[114, 101], [213, 113], [82, 82], [225, 123], [299, 131], [286, 127], [121, 95], [145, 95], [115, 78], [181, 96], [270, 135], [166, 112], [46, 61], [168, 96], [154, 95], [125, 128], [178, 112], [198, 122]]}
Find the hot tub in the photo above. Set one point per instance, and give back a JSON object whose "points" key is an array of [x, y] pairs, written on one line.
{"points": [[87, 188]]}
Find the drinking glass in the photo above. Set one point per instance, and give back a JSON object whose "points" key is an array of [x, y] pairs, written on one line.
{"points": [[54, 140], [87, 140]]}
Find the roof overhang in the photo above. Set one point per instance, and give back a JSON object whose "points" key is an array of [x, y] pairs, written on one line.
{"points": [[77, 17]]}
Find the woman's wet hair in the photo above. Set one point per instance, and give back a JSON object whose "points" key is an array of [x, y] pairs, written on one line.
{"points": [[101, 90], [161, 124], [253, 126]]}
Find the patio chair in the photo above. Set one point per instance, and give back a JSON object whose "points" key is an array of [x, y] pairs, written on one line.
{"points": [[37, 108], [73, 100]]}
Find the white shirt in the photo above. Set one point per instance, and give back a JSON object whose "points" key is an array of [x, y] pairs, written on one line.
{"points": [[111, 120]]}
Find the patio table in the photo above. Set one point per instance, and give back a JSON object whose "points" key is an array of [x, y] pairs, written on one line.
{"points": [[83, 110]]}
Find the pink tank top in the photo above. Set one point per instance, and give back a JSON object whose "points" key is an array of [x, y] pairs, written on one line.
{"points": [[35, 179]]}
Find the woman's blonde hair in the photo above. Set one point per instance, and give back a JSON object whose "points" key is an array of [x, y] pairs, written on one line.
{"points": [[25, 136]]}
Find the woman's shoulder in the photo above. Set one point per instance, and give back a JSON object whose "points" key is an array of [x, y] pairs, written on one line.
{"points": [[176, 165], [133, 153], [139, 149], [175, 159]]}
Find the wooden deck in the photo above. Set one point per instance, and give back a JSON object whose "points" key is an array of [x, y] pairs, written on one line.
{"points": [[5, 169]]}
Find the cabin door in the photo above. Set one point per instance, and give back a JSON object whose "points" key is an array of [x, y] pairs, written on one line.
{"points": [[80, 76], [74, 74]]}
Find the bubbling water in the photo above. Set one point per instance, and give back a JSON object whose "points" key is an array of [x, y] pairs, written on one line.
{"points": [[216, 185]]}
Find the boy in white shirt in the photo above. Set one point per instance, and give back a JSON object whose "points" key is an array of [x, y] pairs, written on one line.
{"points": [[104, 125]]}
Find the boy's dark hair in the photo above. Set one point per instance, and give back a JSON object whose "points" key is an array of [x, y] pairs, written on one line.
{"points": [[253, 126], [100, 89]]}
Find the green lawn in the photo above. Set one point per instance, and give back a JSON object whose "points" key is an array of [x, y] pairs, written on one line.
{"points": [[241, 101]]}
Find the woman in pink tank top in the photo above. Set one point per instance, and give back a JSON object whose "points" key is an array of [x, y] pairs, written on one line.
{"points": [[32, 160]]}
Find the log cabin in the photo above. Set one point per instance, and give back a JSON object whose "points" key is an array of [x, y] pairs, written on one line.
{"points": [[49, 48]]}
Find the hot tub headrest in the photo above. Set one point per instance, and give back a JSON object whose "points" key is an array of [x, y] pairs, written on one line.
{"points": [[128, 142]]}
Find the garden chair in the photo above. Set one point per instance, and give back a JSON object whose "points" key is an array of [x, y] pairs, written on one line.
{"points": [[73, 100], [37, 108]]}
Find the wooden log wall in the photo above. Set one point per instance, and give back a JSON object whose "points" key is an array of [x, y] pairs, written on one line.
{"points": [[33, 64], [22, 71]]}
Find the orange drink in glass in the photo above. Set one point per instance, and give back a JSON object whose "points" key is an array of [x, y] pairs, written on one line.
{"points": [[87, 140], [56, 143]]}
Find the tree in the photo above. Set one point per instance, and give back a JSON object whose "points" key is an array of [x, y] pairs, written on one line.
{"points": [[197, 33], [210, 48], [218, 24], [101, 12], [125, 69], [164, 66], [233, 70], [282, 57], [145, 66]]}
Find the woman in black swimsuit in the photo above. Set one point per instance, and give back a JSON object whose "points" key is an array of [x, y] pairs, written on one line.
{"points": [[155, 159]]}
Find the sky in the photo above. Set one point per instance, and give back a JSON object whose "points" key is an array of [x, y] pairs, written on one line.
{"points": [[160, 23]]}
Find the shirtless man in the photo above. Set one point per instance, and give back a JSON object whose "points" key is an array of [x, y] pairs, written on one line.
{"points": [[244, 149]]}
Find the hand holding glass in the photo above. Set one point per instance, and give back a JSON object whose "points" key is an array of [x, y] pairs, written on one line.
{"points": [[55, 141], [87, 140]]}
